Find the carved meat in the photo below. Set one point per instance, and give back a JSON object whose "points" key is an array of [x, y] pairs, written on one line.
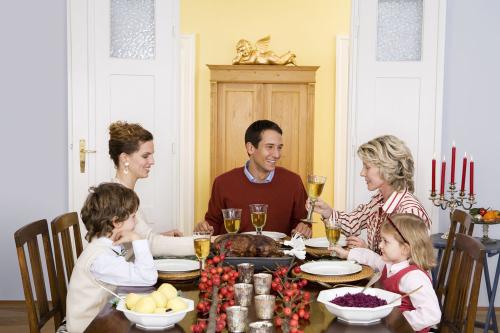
{"points": [[247, 245]]}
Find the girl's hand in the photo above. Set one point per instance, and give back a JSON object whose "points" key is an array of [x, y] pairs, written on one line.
{"points": [[320, 207], [353, 241], [125, 236], [173, 233], [203, 226], [340, 251]]}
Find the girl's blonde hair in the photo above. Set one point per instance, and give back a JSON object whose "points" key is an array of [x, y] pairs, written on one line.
{"points": [[416, 235], [393, 158]]}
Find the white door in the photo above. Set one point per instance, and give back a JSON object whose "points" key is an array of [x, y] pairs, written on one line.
{"points": [[123, 64], [396, 84]]}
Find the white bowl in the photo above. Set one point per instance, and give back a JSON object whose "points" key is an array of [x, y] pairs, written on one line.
{"points": [[156, 321], [358, 315]]}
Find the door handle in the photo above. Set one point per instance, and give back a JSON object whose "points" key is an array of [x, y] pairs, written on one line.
{"points": [[83, 154]]}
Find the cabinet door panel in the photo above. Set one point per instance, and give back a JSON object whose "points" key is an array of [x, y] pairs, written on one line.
{"points": [[239, 105], [286, 104]]}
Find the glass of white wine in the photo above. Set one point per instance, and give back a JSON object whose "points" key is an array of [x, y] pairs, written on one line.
{"points": [[315, 186], [332, 229], [258, 215], [201, 240], [232, 219]]}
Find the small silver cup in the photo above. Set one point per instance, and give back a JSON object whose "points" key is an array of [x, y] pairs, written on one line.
{"points": [[261, 327], [262, 283], [264, 306], [245, 273], [243, 294], [236, 318]]}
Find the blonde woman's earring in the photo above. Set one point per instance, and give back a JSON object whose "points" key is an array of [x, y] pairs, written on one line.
{"points": [[125, 171]]}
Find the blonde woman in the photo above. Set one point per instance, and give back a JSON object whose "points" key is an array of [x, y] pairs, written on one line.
{"points": [[407, 256], [387, 169], [131, 148]]}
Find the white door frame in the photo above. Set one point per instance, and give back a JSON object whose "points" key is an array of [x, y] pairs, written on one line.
{"points": [[345, 167], [186, 147]]}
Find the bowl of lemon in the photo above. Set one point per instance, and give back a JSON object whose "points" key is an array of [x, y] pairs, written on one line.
{"points": [[160, 309]]}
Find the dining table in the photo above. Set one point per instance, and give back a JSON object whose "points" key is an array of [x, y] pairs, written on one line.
{"points": [[110, 319]]}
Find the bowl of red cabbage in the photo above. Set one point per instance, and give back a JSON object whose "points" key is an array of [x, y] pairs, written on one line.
{"points": [[352, 306]]}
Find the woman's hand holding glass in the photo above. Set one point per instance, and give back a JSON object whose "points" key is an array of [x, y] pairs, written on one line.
{"points": [[320, 207]]}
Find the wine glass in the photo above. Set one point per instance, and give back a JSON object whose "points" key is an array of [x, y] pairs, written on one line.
{"points": [[232, 219], [315, 186], [258, 215], [201, 240], [332, 229]]}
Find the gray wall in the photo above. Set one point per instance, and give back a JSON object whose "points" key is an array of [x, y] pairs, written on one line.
{"points": [[33, 117], [33, 124], [472, 100]]}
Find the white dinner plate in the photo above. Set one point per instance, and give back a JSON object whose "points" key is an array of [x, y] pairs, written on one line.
{"points": [[336, 267], [176, 265], [322, 242], [273, 234]]}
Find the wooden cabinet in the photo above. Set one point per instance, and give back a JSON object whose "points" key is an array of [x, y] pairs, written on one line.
{"points": [[241, 94]]}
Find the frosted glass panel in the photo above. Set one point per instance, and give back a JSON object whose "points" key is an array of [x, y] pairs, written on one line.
{"points": [[399, 30], [133, 29]]}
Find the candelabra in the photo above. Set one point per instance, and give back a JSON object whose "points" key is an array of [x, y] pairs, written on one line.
{"points": [[452, 202]]}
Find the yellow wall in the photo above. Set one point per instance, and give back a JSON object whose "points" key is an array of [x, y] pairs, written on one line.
{"points": [[306, 27]]}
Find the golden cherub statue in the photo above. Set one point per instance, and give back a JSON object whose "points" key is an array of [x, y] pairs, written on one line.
{"points": [[246, 54]]}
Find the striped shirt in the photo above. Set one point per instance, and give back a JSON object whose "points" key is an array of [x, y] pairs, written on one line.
{"points": [[371, 215]]}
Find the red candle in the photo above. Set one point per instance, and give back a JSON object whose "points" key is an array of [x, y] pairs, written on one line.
{"points": [[433, 190], [471, 184], [464, 172], [453, 155], [443, 176]]}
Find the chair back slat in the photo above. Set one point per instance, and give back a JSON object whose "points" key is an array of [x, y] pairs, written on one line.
{"points": [[61, 228], [463, 282], [460, 222], [38, 277], [28, 235]]}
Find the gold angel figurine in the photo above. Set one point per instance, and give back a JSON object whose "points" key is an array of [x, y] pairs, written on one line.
{"points": [[246, 54]]}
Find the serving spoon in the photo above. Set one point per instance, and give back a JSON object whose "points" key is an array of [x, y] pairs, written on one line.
{"points": [[405, 295]]}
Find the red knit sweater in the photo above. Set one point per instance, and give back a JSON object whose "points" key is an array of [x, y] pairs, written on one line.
{"points": [[285, 195]]}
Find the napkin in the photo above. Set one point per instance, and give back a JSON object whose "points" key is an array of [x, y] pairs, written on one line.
{"points": [[298, 246]]}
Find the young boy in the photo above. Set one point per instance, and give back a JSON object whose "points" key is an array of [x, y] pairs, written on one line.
{"points": [[109, 216]]}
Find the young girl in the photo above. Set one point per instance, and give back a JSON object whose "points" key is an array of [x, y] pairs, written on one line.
{"points": [[407, 255], [109, 216]]}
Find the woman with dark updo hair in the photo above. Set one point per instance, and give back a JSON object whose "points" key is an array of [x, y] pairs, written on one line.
{"points": [[131, 148]]}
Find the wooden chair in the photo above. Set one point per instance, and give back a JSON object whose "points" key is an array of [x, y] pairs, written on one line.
{"points": [[38, 310], [464, 281], [61, 236], [461, 222]]}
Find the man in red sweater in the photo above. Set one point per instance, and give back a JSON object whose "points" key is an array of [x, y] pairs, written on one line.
{"points": [[260, 181]]}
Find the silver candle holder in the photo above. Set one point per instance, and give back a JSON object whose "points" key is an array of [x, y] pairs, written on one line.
{"points": [[245, 272], [262, 283], [237, 318], [243, 294], [264, 306], [455, 199], [261, 327]]}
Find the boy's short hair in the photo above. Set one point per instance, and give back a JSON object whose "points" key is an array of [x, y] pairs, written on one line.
{"points": [[105, 204]]}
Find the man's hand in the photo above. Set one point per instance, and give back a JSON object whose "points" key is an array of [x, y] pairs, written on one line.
{"points": [[125, 236], [304, 229], [320, 207], [203, 226], [353, 241], [173, 233]]}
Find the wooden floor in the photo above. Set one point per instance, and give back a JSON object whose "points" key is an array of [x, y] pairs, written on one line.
{"points": [[13, 318]]}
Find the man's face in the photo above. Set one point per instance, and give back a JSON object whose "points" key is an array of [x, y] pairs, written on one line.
{"points": [[268, 152]]}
